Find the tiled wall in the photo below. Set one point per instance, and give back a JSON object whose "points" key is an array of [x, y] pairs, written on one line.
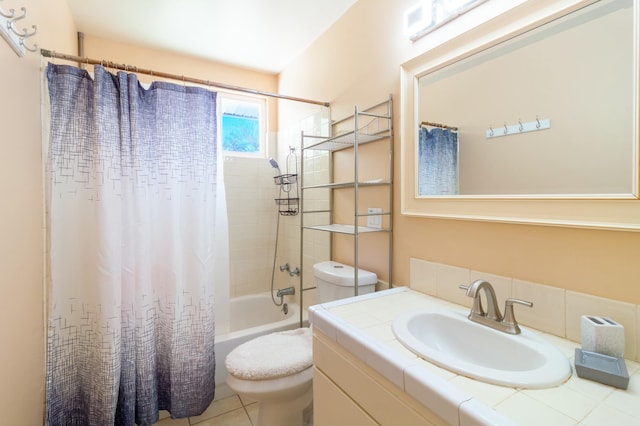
{"points": [[316, 171], [317, 244], [252, 215], [555, 310]]}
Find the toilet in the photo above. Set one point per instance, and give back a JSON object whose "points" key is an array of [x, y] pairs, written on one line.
{"points": [[277, 369], [336, 281]]}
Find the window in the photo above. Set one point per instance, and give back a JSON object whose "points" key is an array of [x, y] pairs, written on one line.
{"points": [[242, 122]]}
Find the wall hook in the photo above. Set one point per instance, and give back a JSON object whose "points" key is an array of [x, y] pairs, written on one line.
{"points": [[12, 13], [26, 36], [12, 22], [15, 37]]}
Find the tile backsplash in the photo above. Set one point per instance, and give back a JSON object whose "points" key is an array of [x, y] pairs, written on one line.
{"points": [[555, 310]]}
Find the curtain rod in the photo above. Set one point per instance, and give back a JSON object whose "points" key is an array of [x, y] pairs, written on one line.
{"points": [[52, 54], [442, 126]]}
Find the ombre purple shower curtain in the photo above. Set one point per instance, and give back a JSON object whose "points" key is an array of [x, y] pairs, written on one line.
{"points": [[131, 226]]}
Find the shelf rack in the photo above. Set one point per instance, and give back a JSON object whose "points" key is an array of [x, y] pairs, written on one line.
{"points": [[378, 129]]}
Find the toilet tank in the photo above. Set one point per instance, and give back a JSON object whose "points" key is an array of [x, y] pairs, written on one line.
{"points": [[336, 281]]}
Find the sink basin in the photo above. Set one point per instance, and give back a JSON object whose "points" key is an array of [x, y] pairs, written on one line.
{"points": [[450, 340]]}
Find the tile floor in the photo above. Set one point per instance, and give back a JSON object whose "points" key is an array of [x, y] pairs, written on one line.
{"points": [[229, 411]]}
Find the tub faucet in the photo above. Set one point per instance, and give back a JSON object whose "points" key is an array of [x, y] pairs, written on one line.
{"points": [[492, 317], [286, 291]]}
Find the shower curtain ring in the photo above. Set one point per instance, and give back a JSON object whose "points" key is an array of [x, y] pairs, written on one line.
{"points": [[521, 127], [505, 129], [490, 130], [538, 122]]}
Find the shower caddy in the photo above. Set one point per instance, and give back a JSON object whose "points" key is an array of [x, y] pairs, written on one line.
{"points": [[373, 125], [289, 197]]}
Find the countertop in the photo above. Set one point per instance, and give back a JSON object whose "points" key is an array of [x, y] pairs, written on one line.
{"points": [[362, 325]]}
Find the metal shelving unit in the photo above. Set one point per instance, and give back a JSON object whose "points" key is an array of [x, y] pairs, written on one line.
{"points": [[377, 129]]}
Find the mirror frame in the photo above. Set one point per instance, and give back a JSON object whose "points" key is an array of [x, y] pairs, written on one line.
{"points": [[590, 211]]}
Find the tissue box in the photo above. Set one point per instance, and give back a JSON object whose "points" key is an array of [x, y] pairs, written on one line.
{"points": [[602, 335]]}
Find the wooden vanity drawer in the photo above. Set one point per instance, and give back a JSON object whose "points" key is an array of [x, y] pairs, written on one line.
{"points": [[376, 396]]}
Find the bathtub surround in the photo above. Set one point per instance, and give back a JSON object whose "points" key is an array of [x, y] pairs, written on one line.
{"points": [[252, 223], [132, 199], [247, 311], [314, 119]]}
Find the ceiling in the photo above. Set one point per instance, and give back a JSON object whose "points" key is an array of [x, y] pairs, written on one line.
{"points": [[264, 35]]}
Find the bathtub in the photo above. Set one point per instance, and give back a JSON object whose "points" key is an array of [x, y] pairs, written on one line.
{"points": [[250, 316]]}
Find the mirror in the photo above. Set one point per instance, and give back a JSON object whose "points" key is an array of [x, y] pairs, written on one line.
{"points": [[553, 113], [535, 115]]}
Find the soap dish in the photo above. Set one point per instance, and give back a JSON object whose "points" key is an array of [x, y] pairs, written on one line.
{"points": [[601, 368]]}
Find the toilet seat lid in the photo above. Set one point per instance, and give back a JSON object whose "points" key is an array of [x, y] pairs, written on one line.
{"points": [[271, 356]]}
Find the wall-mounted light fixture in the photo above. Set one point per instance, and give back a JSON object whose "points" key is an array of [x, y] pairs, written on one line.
{"points": [[427, 15]]}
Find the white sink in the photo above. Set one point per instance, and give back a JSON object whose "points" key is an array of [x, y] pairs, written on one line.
{"points": [[450, 340]]}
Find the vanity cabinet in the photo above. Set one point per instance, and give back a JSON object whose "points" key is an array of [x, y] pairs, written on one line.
{"points": [[348, 392]]}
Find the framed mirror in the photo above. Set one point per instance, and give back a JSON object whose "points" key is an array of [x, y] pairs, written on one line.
{"points": [[530, 117]]}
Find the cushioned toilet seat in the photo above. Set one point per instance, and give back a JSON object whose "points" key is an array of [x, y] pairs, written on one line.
{"points": [[272, 356]]}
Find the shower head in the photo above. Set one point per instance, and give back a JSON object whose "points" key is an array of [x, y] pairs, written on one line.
{"points": [[275, 165]]}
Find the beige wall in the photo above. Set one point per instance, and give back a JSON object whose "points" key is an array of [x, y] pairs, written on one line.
{"points": [[358, 62], [21, 260]]}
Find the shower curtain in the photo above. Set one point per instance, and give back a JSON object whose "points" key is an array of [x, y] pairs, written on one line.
{"points": [[437, 162], [132, 201]]}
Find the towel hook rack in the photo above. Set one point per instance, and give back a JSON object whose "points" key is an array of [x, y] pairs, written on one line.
{"points": [[521, 127], [16, 38]]}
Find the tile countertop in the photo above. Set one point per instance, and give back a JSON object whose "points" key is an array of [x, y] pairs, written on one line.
{"points": [[362, 325]]}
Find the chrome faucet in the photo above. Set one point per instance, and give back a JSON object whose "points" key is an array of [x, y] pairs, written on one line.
{"points": [[492, 316], [282, 292], [285, 291], [287, 268]]}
